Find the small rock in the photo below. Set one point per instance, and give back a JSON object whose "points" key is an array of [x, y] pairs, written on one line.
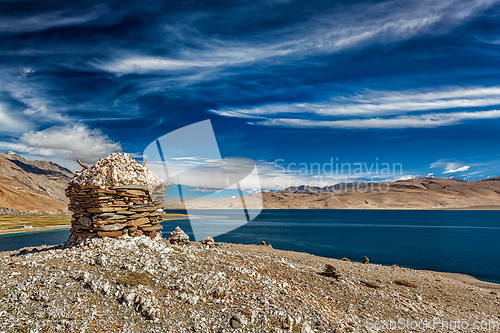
{"points": [[241, 318], [247, 314], [306, 328], [262, 243], [346, 259], [60, 281], [235, 322], [85, 221], [366, 260], [220, 293], [23, 297], [208, 241], [113, 227]]}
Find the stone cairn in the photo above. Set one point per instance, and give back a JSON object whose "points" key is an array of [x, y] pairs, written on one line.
{"points": [[178, 237], [112, 198]]}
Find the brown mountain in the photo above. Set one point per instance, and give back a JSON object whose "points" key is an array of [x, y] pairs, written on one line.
{"points": [[32, 185], [419, 193]]}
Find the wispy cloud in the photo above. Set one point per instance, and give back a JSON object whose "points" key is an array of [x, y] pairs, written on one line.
{"points": [[34, 96], [461, 169], [378, 103], [422, 121], [141, 70], [334, 31], [11, 122], [451, 167], [56, 19], [378, 109]]}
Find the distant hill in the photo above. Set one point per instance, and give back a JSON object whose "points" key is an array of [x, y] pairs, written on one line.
{"points": [[419, 193], [32, 185]]}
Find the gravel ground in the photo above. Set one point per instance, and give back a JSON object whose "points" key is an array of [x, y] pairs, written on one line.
{"points": [[145, 285]]}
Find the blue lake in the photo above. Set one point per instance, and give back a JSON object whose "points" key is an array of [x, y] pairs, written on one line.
{"points": [[450, 241]]}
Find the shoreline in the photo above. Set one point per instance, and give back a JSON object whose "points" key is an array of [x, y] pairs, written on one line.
{"points": [[460, 277], [35, 229], [172, 217], [467, 279], [55, 227]]}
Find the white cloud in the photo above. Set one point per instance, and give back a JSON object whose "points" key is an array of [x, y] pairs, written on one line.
{"points": [[461, 169], [14, 146], [34, 96], [273, 177], [405, 177], [10, 123], [450, 167], [48, 20], [439, 163], [378, 103], [420, 121], [430, 175], [27, 71], [334, 32], [141, 64], [68, 142]]}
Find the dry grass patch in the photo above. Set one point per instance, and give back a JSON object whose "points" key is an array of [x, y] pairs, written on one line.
{"points": [[405, 283], [134, 279], [370, 285], [10, 222]]}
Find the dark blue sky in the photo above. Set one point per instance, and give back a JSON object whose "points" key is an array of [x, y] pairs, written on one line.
{"points": [[410, 82]]}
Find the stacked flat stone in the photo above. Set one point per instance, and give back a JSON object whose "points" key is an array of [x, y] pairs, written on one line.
{"points": [[112, 209]]}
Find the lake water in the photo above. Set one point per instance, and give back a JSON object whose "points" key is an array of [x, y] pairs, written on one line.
{"points": [[450, 241]]}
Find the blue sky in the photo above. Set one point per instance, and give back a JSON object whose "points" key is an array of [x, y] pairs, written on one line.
{"points": [[409, 82]]}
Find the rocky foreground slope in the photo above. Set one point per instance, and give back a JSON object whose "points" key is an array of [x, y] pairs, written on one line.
{"points": [[145, 285]]}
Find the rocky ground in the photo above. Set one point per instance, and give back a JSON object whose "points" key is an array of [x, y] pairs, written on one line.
{"points": [[144, 285]]}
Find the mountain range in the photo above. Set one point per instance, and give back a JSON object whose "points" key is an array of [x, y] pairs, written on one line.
{"points": [[39, 186], [418, 193]]}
